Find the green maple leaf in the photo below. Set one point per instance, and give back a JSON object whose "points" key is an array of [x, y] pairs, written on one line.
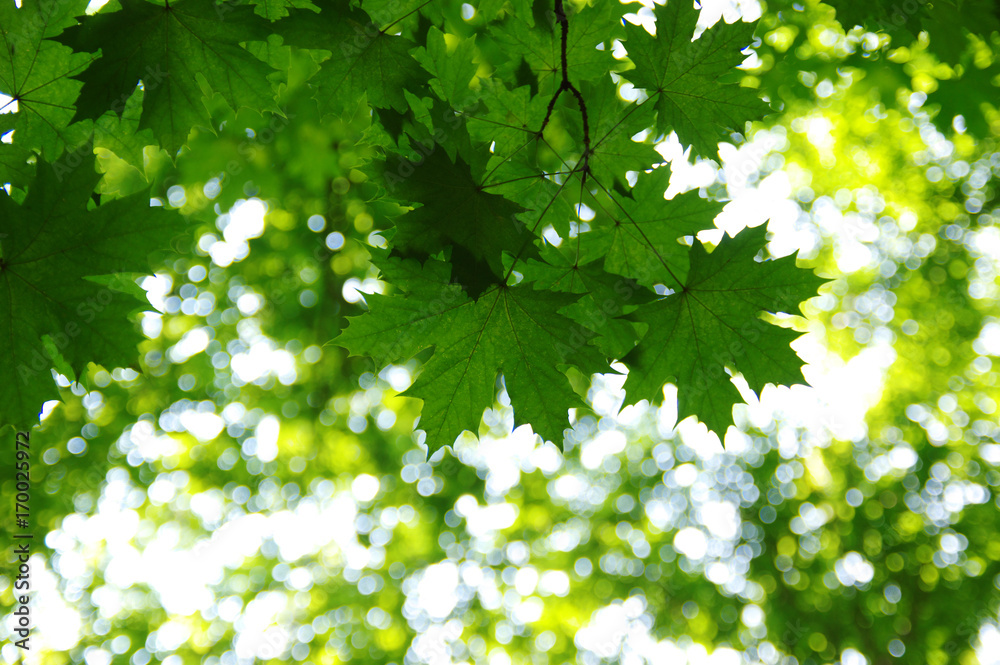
{"points": [[513, 331], [641, 240], [456, 212], [506, 122], [52, 253], [121, 134], [507, 119], [170, 48], [364, 60], [36, 73], [14, 166], [272, 10], [682, 77], [543, 200], [490, 8], [452, 70], [539, 43], [713, 323], [396, 14], [602, 296], [612, 123]]}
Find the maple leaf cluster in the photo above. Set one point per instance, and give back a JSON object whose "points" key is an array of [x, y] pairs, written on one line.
{"points": [[531, 240]]}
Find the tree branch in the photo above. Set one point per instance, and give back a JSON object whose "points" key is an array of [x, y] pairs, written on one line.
{"points": [[565, 84]]}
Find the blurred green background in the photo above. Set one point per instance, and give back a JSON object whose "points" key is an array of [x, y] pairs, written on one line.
{"points": [[256, 494]]}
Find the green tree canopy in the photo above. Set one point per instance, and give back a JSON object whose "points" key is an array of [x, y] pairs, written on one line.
{"points": [[506, 332]]}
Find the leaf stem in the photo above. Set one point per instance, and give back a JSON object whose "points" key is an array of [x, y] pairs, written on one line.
{"points": [[412, 11], [566, 85], [536, 176]]}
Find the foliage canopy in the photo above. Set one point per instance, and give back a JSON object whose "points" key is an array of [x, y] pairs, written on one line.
{"points": [[482, 208], [471, 200]]}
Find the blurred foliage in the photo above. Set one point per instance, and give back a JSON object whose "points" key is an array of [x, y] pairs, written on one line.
{"points": [[222, 504]]}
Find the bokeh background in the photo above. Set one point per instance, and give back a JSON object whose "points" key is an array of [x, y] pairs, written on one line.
{"points": [[255, 494]]}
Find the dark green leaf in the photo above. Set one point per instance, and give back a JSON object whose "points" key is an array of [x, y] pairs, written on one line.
{"points": [[713, 323]]}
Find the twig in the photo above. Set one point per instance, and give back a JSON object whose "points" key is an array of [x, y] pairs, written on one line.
{"points": [[565, 84]]}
